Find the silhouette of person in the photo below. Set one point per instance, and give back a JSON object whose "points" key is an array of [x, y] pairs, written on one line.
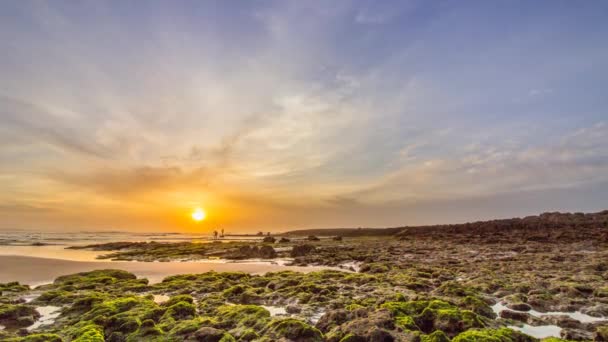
{"points": [[215, 235]]}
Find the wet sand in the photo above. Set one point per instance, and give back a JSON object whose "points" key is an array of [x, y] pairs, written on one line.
{"points": [[35, 271]]}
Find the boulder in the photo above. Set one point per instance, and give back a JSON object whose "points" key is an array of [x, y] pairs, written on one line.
{"points": [[601, 334], [515, 315], [208, 334], [332, 318], [269, 239], [519, 306], [302, 250], [293, 309], [576, 335], [563, 321]]}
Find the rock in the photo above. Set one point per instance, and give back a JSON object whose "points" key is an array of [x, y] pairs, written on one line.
{"points": [[247, 252], [599, 310], [302, 250], [293, 330], [363, 325], [267, 252], [269, 239], [515, 315], [332, 318], [601, 334], [380, 335], [208, 334], [312, 238], [563, 321], [17, 316], [519, 306], [337, 238], [284, 240], [577, 335], [292, 309]]}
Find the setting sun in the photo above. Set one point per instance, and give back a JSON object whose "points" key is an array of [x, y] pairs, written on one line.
{"points": [[198, 214]]}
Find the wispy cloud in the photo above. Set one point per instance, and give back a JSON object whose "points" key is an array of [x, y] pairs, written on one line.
{"points": [[289, 108]]}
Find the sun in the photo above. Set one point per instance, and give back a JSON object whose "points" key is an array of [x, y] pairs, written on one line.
{"points": [[198, 214]]}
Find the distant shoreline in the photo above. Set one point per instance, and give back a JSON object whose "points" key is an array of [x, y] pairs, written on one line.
{"points": [[36, 271]]}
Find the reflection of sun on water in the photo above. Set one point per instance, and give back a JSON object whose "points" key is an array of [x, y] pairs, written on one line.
{"points": [[198, 214]]}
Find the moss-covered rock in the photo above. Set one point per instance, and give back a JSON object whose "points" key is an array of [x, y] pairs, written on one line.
{"points": [[436, 336], [12, 288], [493, 335], [601, 333], [17, 316], [242, 317], [208, 334], [431, 315], [293, 329]]}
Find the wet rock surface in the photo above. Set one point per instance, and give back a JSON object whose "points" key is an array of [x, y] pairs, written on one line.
{"points": [[486, 281]]}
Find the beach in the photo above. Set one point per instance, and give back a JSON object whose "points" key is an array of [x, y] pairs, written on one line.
{"points": [[36, 271]]}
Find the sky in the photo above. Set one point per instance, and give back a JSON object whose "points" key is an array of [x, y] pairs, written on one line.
{"points": [[277, 115]]}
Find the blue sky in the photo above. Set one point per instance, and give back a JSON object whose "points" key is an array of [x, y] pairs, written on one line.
{"points": [[291, 114]]}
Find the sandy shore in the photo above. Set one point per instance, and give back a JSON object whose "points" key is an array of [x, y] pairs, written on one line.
{"points": [[36, 271]]}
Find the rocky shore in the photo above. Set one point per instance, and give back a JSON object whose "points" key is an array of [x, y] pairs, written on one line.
{"points": [[538, 278]]}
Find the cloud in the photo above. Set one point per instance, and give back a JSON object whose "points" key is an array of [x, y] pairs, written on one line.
{"points": [[578, 158], [17, 208], [27, 122], [296, 107]]}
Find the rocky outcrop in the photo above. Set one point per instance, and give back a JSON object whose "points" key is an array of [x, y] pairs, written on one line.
{"points": [[542, 228], [302, 250], [252, 252], [208, 334]]}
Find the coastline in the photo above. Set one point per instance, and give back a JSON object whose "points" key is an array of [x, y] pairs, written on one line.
{"points": [[36, 271]]}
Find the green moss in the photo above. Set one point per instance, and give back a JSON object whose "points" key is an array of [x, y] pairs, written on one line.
{"points": [[125, 324], [293, 329], [350, 338], [601, 333], [86, 332], [176, 299], [248, 335], [56, 297], [399, 297], [242, 316], [406, 308], [601, 292], [431, 315], [134, 304], [493, 335], [406, 322], [82, 304], [97, 277], [454, 289], [374, 268], [180, 311], [18, 315], [36, 338], [186, 327], [12, 287], [478, 306], [353, 307], [227, 338], [147, 331], [436, 336]]}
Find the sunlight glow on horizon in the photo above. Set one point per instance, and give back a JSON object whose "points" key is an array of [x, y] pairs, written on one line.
{"points": [[199, 214]]}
